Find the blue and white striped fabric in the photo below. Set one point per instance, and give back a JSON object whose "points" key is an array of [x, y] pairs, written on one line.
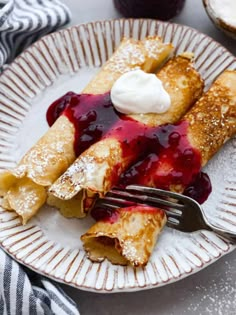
{"points": [[22, 291], [24, 21]]}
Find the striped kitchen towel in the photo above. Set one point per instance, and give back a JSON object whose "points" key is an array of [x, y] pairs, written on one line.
{"points": [[22, 291], [24, 21]]}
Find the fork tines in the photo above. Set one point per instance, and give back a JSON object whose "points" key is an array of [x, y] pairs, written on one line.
{"points": [[134, 194]]}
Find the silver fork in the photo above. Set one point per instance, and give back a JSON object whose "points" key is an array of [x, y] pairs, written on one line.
{"points": [[183, 213]]}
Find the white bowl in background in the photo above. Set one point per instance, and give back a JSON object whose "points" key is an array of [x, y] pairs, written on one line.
{"points": [[223, 15]]}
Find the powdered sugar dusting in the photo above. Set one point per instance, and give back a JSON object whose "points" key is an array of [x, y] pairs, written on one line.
{"points": [[153, 47], [121, 62], [218, 296]]}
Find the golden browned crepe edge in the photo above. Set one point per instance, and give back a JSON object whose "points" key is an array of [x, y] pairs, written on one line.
{"points": [[185, 86], [212, 120], [77, 207], [147, 54], [129, 240]]}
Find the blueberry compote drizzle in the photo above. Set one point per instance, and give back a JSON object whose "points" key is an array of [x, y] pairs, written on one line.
{"points": [[91, 115]]}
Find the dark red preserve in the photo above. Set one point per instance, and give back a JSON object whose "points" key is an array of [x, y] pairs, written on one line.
{"points": [[162, 156], [157, 9], [91, 115]]}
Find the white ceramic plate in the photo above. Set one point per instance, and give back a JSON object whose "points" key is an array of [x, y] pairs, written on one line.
{"points": [[50, 244]]}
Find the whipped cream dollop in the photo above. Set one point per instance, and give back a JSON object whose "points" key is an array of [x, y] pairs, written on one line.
{"points": [[138, 92], [225, 10]]}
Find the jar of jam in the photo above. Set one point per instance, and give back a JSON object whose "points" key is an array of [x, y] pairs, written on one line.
{"points": [[157, 9]]}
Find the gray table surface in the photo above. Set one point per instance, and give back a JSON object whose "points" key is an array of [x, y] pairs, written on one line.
{"points": [[210, 291]]}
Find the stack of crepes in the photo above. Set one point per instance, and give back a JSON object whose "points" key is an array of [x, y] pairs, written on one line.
{"points": [[51, 170]]}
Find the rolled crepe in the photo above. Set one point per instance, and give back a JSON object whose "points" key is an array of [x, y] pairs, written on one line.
{"points": [[98, 168], [212, 121], [76, 207], [54, 152], [209, 124], [128, 237]]}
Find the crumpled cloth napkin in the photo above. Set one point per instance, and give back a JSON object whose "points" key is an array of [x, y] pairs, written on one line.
{"points": [[24, 21], [22, 291]]}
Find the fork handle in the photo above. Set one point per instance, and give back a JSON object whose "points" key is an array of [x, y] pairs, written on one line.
{"points": [[230, 236]]}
